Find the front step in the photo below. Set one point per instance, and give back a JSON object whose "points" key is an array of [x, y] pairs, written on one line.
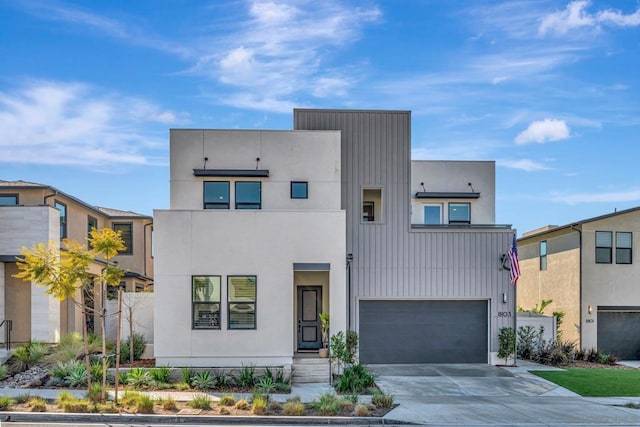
{"points": [[309, 369]]}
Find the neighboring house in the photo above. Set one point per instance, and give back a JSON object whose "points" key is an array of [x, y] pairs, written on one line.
{"points": [[266, 229], [32, 213], [589, 270]]}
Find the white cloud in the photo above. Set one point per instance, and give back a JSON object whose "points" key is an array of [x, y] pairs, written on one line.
{"points": [[544, 131], [524, 164], [48, 122], [632, 195], [576, 16]]}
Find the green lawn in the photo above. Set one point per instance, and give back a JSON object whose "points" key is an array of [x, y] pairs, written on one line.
{"points": [[596, 382]]}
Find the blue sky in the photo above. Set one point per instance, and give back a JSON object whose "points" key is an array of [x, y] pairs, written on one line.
{"points": [[548, 89]]}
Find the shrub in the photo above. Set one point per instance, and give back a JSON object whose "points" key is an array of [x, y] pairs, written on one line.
{"points": [[274, 406], [130, 399], [138, 348], [71, 347], [611, 360], [293, 408], [161, 374], [227, 400], [222, 379], [37, 404], [355, 380], [30, 354], [96, 370], [247, 376], [592, 355], [328, 404], [242, 404], [95, 393], [224, 411], [346, 405], [77, 406], [203, 380], [266, 385], [76, 376], [529, 340], [259, 405], [200, 401], [382, 400], [3, 371], [24, 398], [182, 386], [168, 404], [64, 396], [507, 343], [187, 374], [62, 369], [5, 403], [106, 408], [138, 377], [144, 404], [361, 411]]}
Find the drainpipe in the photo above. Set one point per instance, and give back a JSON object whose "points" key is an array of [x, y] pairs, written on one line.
{"points": [[573, 227], [55, 193], [349, 261]]}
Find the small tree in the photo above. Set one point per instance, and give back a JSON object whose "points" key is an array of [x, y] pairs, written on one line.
{"points": [[507, 340]]}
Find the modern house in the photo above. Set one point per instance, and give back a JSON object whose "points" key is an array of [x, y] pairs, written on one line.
{"points": [[588, 269], [267, 229], [32, 213]]}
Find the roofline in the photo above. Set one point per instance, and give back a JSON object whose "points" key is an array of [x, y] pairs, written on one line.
{"points": [[580, 223], [69, 196], [338, 110]]}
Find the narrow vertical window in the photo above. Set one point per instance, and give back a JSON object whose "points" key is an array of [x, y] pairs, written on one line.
{"points": [[92, 224], [299, 190], [127, 236], [63, 219], [459, 213], [603, 247], [543, 255], [624, 242], [216, 195], [205, 299], [248, 195], [242, 302]]}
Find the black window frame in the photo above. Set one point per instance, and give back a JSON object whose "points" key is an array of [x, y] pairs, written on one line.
{"points": [[604, 249], [64, 218], [90, 220], [216, 205], [208, 322], [129, 248], [306, 189], [621, 249], [248, 205], [16, 197], [543, 255], [451, 205], [242, 302]]}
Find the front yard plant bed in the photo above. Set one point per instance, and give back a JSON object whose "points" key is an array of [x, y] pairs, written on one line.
{"points": [[596, 382]]}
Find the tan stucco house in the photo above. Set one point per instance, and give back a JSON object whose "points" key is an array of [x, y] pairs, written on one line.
{"points": [[588, 268], [32, 213]]}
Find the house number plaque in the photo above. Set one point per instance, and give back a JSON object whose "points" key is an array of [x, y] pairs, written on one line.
{"points": [[504, 314]]}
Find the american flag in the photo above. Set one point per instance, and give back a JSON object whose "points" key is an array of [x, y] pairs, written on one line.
{"points": [[514, 271]]}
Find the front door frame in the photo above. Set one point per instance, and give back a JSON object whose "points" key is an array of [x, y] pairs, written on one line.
{"points": [[308, 323]]}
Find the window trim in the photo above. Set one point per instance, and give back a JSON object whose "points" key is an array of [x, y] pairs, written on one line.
{"points": [[449, 205], [306, 189], [129, 250], [14, 195], [255, 303], [64, 219], [630, 248], [193, 304], [610, 248], [204, 193], [246, 204]]}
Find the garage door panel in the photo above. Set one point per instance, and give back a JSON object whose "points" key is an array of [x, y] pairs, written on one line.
{"points": [[619, 334], [423, 331]]}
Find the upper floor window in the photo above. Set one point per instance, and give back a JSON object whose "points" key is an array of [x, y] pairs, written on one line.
{"points": [[623, 247], [459, 213], [433, 214], [372, 205], [603, 247], [248, 195], [63, 219], [216, 195], [8, 199], [205, 300], [92, 223], [127, 236], [299, 190], [543, 255], [242, 302]]}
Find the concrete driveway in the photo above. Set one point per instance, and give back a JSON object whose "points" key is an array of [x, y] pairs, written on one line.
{"points": [[472, 395]]}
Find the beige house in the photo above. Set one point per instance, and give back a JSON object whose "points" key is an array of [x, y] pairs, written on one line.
{"points": [[32, 213], [589, 270]]}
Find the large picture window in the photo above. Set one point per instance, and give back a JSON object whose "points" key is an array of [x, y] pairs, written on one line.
{"points": [[623, 247], [8, 199], [603, 247], [459, 213], [241, 293], [216, 195], [127, 236], [205, 297], [248, 195], [63, 219]]}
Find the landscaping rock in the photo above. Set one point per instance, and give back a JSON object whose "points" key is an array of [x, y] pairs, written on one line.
{"points": [[33, 377]]}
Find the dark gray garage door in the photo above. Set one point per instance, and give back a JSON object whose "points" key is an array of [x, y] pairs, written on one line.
{"points": [[619, 332], [423, 332]]}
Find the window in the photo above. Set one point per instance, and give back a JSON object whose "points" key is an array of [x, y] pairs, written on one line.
{"points": [[8, 199], [372, 205], [205, 297], [242, 302], [299, 190], [623, 248], [543, 255], [63, 219], [603, 247], [459, 213], [216, 195], [248, 195], [433, 214], [127, 236], [92, 223]]}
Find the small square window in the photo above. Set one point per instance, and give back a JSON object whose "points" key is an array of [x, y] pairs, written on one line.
{"points": [[216, 195], [459, 213], [299, 190], [433, 214], [248, 195]]}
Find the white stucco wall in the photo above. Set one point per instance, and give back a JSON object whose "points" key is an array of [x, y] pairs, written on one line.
{"points": [[141, 304], [454, 176], [260, 243]]}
